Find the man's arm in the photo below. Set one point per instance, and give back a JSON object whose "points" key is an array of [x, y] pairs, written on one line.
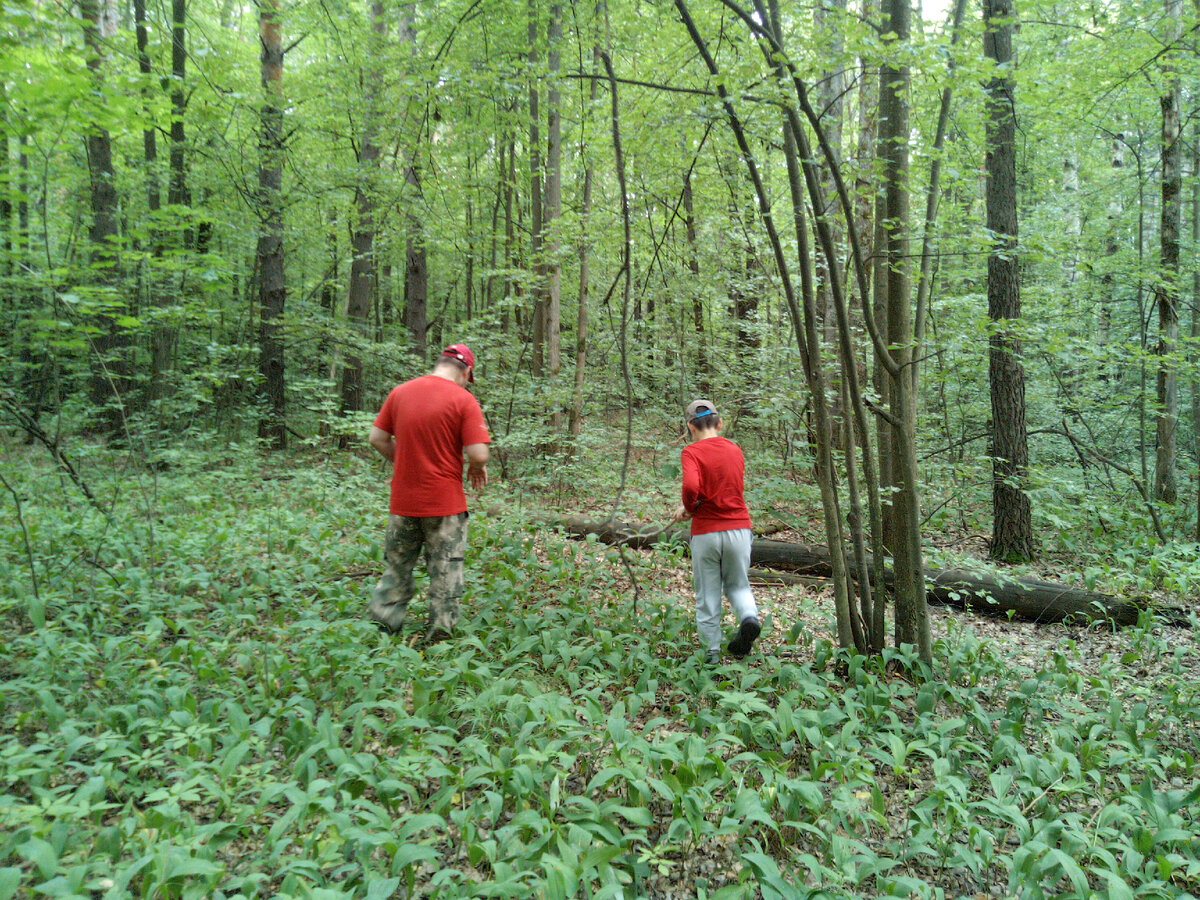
{"points": [[383, 442], [477, 457]]}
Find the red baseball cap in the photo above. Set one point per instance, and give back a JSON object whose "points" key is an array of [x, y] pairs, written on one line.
{"points": [[463, 354]]}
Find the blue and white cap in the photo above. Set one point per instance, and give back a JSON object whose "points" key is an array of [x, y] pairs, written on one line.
{"points": [[702, 411]]}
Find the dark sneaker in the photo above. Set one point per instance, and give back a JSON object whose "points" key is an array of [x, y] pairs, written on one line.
{"points": [[435, 635], [745, 638], [385, 628]]}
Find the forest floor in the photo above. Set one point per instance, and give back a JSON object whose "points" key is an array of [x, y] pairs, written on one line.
{"points": [[196, 706]]}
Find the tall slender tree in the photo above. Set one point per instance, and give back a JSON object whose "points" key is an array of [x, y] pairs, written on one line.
{"points": [[553, 203], [177, 189], [361, 292], [1166, 285], [106, 382], [272, 288]]}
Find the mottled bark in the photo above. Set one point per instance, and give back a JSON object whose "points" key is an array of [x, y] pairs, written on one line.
{"points": [[912, 613], [1012, 529], [1166, 288], [106, 381]]}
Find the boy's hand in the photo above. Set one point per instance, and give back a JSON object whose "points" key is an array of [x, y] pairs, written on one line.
{"points": [[680, 514]]}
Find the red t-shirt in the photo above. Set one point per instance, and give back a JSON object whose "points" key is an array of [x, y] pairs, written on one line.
{"points": [[433, 419], [713, 482]]}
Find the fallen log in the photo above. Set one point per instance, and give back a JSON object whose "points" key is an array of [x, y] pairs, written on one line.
{"points": [[1029, 599]]}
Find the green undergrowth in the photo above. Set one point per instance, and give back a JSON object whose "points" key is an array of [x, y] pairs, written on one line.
{"points": [[194, 706]]}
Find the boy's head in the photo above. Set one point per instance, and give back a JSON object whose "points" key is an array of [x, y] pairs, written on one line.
{"points": [[702, 417]]}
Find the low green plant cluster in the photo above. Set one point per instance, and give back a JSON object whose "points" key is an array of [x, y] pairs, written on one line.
{"points": [[194, 706]]}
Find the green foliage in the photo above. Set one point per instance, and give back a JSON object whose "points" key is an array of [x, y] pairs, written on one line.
{"points": [[194, 706]]}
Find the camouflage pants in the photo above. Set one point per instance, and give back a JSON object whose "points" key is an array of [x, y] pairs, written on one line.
{"points": [[444, 539]]}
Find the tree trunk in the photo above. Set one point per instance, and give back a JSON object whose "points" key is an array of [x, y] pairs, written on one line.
{"points": [[1029, 599], [11, 300], [553, 207], [177, 190], [1166, 290], [149, 135], [693, 264], [416, 257], [360, 298], [585, 211], [536, 207], [932, 190], [912, 615], [1196, 318], [1012, 528], [106, 382], [1112, 246], [829, 25], [272, 426]]}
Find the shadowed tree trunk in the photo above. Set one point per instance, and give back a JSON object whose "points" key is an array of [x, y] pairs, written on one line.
{"points": [[272, 426], [1012, 528], [361, 292], [693, 264], [536, 201], [149, 135], [828, 16], [912, 614], [11, 300], [575, 423], [416, 256], [1196, 317], [553, 207], [177, 191], [1166, 288]]}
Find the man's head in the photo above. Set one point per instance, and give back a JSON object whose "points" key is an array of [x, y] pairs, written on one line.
{"points": [[457, 359], [702, 416]]}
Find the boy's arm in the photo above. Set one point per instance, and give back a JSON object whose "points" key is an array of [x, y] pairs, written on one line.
{"points": [[691, 484]]}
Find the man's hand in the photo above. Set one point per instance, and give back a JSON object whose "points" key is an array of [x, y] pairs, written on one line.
{"points": [[680, 514], [477, 457], [477, 472]]}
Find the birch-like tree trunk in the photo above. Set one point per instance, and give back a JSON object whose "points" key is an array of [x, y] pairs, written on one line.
{"points": [[106, 381]]}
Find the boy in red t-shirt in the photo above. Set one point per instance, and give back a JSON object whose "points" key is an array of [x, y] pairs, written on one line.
{"points": [[713, 476], [423, 429]]}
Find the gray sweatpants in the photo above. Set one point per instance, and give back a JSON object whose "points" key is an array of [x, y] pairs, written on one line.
{"points": [[720, 564]]}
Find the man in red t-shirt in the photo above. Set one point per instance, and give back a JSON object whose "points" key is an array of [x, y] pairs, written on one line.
{"points": [[713, 476], [424, 428]]}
